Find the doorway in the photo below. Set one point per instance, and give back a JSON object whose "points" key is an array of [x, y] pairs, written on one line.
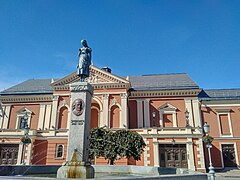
{"points": [[173, 155]]}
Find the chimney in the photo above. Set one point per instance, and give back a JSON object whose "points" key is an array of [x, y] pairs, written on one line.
{"points": [[107, 69]]}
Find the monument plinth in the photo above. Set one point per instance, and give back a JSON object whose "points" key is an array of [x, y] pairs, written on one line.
{"points": [[77, 165]]}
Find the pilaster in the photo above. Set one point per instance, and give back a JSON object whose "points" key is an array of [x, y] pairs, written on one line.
{"points": [[156, 152], [47, 116], [196, 112], [6, 117], [146, 114], [41, 116], [124, 116], [188, 104], [54, 112], [139, 113], [105, 119], [190, 154]]}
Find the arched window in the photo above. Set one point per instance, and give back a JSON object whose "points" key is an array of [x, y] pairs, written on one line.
{"points": [[63, 118], [114, 117], [59, 151]]}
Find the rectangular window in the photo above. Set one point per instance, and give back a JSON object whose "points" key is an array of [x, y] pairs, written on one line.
{"points": [[168, 120], [59, 151], [224, 124]]}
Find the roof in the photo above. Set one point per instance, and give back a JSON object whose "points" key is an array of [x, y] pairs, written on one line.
{"points": [[219, 94], [162, 82], [31, 86]]}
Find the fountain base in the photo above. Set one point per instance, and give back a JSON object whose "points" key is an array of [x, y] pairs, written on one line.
{"points": [[76, 171]]}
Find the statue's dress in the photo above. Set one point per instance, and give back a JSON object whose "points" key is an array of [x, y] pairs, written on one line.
{"points": [[84, 61]]}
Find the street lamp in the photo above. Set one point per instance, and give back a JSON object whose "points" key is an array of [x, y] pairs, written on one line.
{"points": [[25, 139], [209, 139], [154, 119], [187, 119]]}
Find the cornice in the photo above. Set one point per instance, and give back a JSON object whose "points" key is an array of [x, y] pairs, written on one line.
{"points": [[29, 98], [164, 93], [98, 86]]}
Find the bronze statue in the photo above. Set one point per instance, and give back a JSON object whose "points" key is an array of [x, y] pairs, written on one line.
{"points": [[85, 58]]}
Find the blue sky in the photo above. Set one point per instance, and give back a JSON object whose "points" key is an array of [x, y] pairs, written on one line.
{"points": [[40, 38]]}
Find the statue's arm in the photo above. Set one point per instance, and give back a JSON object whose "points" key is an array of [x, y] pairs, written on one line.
{"points": [[90, 55]]}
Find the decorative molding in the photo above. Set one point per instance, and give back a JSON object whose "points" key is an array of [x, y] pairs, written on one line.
{"points": [[170, 93], [30, 98], [99, 79]]}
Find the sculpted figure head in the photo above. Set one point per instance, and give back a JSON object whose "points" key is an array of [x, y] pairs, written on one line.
{"points": [[77, 107]]}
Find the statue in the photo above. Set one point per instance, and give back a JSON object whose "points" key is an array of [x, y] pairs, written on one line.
{"points": [[85, 58], [77, 107]]}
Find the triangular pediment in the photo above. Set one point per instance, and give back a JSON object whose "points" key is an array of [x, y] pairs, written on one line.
{"points": [[24, 110], [167, 106], [97, 76]]}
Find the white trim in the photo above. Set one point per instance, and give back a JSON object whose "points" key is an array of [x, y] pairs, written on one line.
{"points": [[229, 123], [146, 114], [114, 103], [235, 150], [220, 105], [139, 113], [98, 111], [168, 109], [56, 151]]}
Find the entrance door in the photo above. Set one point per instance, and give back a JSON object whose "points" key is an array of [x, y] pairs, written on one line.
{"points": [[8, 154], [173, 155], [229, 157]]}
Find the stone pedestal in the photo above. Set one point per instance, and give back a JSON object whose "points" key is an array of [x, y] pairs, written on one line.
{"points": [[77, 165]]}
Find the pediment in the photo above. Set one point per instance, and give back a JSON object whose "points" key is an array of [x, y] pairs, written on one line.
{"points": [[97, 76], [167, 106], [24, 110]]}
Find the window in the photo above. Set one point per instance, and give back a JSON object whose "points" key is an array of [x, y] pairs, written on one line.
{"points": [[59, 151]]}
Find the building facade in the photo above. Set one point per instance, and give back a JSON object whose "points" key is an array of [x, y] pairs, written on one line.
{"points": [[168, 110]]}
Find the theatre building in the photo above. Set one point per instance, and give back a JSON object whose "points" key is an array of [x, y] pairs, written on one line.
{"points": [[168, 110]]}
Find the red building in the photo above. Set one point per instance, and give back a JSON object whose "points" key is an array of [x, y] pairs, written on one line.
{"points": [[153, 105]]}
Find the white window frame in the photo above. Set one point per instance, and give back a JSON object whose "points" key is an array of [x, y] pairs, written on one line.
{"points": [[235, 149], [56, 151], [168, 109], [224, 112], [20, 114]]}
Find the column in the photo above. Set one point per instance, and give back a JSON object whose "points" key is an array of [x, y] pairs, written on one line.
{"points": [[146, 113], [1, 115], [47, 117], [174, 116], [161, 118], [41, 116], [29, 153], [196, 112], [124, 116], [190, 154], [105, 110], [156, 152], [188, 104], [54, 112], [20, 151], [6, 116], [139, 113]]}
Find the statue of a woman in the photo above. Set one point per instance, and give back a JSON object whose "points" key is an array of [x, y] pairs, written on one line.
{"points": [[85, 58]]}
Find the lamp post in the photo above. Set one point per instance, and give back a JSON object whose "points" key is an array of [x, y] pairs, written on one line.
{"points": [[154, 119], [208, 139], [25, 139]]}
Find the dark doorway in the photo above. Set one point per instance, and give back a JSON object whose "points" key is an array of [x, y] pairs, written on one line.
{"points": [[229, 157], [8, 154], [173, 155]]}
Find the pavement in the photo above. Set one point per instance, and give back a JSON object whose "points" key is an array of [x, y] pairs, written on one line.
{"points": [[228, 174]]}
